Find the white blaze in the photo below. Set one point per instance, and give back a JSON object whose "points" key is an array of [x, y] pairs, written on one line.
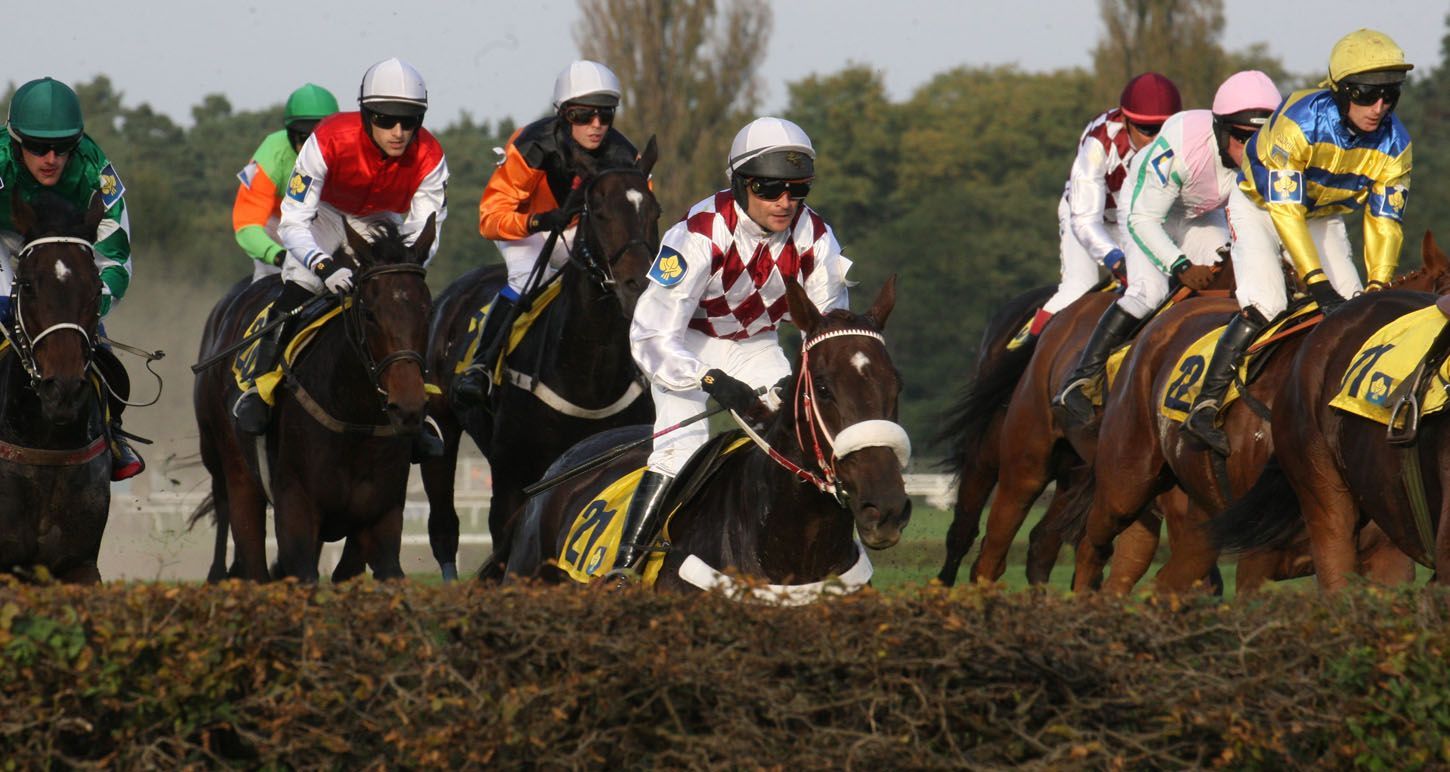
{"points": [[860, 361], [61, 272]]}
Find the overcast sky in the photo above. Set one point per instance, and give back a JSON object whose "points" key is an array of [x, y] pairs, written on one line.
{"points": [[496, 59]]}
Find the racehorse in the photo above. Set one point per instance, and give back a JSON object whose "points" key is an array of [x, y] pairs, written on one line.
{"points": [[55, 471], [1344, 477], [335, 460], [1141, 453], [570, 377], [788, 514]]}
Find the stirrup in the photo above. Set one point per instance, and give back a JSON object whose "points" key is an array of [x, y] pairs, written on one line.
{"points": [[1077, 385], [252, 413], [1211, 435], [1406, 409], [471, 393], [429, 442]]}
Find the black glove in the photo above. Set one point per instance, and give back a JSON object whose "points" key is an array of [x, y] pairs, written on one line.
{"points": [[279, 258], [728, 391], [545, 222], [1324, 294]]}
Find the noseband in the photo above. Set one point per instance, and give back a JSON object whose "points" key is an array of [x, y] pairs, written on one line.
{"points": [[580, 252], [20, 339], [357, 331]]}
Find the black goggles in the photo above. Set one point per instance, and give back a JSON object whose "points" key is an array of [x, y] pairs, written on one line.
{"points": [[1241, 133], [768, 189], [41, 148], [1147, 129], [408, 122], [583, 115], [1366, 95]]}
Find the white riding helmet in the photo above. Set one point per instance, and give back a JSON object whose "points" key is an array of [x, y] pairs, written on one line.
{"points": [[771, 147], [393, 87], [586, 83]]}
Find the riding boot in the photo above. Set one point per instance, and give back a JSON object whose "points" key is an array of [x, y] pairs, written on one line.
{"points": [[642, 519], [428, 442], [474, 383], [125, 461], [1115, 326], [251, 411], [1202, 420]]}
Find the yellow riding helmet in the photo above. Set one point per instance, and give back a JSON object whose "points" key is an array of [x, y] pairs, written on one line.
{"points": [[1367, 50]]}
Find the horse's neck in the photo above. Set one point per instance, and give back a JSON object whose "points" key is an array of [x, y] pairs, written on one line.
{"points": [[331, 370], [593, 331]]}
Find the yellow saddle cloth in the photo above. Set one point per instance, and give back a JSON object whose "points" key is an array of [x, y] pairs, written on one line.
{"points": [[1383, 363], [244, 366], [522, 323], [1178, 395]]}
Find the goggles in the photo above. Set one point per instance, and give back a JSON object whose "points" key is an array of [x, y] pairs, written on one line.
{"points": [[1147, 129], [583, 115], [1366, 95], [41, 148], [1241, 133], [408, 122], [770, 189]]}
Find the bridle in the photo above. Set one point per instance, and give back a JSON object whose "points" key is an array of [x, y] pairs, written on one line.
{"points": [[580, 252], [827, 447], [20, 338], [356, 326]]}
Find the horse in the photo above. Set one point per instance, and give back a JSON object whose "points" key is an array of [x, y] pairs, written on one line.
{"points": [[570, 377], [1141, 454], [335, 461], [1344, 478], [55, 471], [786, 509]]}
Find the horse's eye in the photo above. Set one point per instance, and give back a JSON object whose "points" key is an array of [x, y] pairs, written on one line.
{"points": [[823, 392]]}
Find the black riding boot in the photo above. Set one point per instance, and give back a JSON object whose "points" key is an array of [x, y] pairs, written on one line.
{"points": [[642, 519], [428, 443], [1202, 420], [125, 461], [1113, 328], [473, 384], [251, 411]]}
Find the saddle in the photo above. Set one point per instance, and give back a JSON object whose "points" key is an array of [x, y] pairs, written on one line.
{"points": [[595, 533], [529, 312], [245, 364]]}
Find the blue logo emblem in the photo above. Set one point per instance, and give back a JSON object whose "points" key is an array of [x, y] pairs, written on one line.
{"points": [[1380, 386], [1286, 186], [1392, 203], [1162, 165], [111, 186], [247, 173], [668, 268], [298, 185]]}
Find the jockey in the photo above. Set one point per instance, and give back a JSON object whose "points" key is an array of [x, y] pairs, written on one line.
{"points": [[706, 323], [1324, 153], [525, 198], [258, 207], [377, 164], [1175, 194], [49, 148], [1087, 214]]}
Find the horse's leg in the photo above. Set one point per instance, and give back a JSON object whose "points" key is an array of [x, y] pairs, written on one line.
{"points": [[1192, 554], [1380, 560], [438, 474], [298, 539], [83, 573], [1117, 499], [247, 516], [1022, 479], [976, 485], [385, 538], [1133, 553], [352, 561], [1044, 541]]}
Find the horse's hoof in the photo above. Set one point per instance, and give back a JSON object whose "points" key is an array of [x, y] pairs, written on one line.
{"points": [[450, 572]]}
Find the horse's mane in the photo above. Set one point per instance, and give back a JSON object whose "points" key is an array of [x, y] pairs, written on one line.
{"points": [[388, 245], [55, 216]]}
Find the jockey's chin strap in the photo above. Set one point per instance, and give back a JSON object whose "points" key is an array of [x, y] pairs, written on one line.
{"points": [[827, 447], [20, 339]]}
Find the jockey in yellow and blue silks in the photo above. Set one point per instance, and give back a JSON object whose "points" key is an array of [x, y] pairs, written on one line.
{"points": [[1323, 154]]}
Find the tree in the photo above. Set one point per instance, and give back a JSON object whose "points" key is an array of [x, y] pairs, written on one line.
{"points": [[688, 73]]}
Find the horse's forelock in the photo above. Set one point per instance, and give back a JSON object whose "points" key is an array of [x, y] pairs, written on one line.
{"points": [[55, 216], [386, 243]]}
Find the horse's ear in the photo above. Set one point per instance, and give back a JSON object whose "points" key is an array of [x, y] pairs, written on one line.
{"points": [[424, 242], [885, 301], [1432, 256], [94, 214], [803, 313], [651, 154], [362, 251], [21, 213]]}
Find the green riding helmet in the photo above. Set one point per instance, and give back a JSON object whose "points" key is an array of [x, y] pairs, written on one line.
{"points": [[45, 109], [309, 103]]}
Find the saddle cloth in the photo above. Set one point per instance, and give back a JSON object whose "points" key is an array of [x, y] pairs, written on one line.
{"points": [[245, 362], [1387, 358], [1178, 395], [522, 322]]}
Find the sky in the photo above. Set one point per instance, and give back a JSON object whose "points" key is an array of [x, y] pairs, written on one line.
{"points": [[495, 59]]}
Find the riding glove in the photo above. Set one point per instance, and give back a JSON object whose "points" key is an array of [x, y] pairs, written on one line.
{"points": [[1116, 264], [728, 391], [279, 258], [552, 220], [1324, 294], [336, 278], [1194, 277]]}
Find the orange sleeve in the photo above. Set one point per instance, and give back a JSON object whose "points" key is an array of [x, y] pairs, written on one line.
{"points": [[255, 204], [514, 192]]}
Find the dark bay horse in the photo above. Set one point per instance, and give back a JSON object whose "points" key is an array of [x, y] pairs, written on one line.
{"points": [[760, 516], [55, 468], [570, 377], [1344, 478], [335, 461], [1141, 454]]}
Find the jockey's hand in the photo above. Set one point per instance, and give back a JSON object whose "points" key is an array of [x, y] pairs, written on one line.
{"points": [[1375, 285], [337, 279], [729, 392], [1117, 265], [546, 222], [279, 258], [1324, 294], [1194, 277]]}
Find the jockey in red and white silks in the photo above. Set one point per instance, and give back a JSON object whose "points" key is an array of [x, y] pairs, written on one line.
{"points": [[715, 298]]}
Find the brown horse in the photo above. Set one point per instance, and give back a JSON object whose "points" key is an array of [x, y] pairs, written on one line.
{"points": [[790, 515], [335, 461], [55, 471], [1141, 454], [1343, 478], [570, 377]]}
